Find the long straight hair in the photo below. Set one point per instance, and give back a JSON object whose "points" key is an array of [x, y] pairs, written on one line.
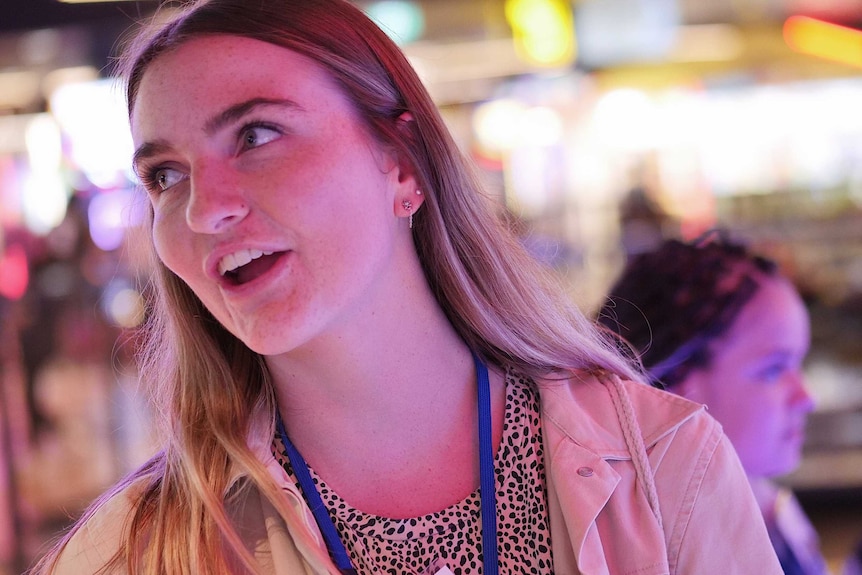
{"points": [[504, 304]]}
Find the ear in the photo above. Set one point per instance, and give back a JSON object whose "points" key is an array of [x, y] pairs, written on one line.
{"points": [[409, 196], [407, 203]]}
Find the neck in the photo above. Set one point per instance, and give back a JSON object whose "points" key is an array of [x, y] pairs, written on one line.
{"points": [[764, 493], [375, 374], [377, 417], [374, 370]]}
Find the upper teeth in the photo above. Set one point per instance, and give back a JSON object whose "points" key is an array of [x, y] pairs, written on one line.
{"points": [[238, 259]]}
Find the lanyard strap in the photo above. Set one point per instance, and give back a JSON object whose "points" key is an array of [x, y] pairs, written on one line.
{"points": [[486, 472], [486, 485], [312, 497]]}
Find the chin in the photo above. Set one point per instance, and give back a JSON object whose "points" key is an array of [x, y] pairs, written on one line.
{"points": [[265, 348], [266, 340]]}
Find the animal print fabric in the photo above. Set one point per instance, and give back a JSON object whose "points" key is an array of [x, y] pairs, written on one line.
{"points": [[379, 545]]}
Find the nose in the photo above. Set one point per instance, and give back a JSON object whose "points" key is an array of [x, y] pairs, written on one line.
{"points": [[800, 396], [216, 201]]}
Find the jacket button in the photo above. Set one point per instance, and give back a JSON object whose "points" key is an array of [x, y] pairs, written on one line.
{"points": [[585, 471]]}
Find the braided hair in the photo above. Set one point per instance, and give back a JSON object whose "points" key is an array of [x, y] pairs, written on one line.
{"points": [[670, 304]]}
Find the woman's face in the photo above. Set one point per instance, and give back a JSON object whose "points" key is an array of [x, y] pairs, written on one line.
{"points": [[754, 385], [270, 200]]}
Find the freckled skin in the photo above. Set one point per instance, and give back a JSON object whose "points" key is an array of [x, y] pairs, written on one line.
{"points": [[303, 179], [754, 385]]}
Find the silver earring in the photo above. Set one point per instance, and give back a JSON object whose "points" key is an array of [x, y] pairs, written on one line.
{"points": [[418, 193], [408, 205]]}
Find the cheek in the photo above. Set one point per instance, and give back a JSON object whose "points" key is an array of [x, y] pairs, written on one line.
{"points": [[168, 245], [747, 440], [754, 425]]}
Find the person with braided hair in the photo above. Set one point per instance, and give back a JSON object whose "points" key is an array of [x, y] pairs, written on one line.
{"points": [[720, 325]]}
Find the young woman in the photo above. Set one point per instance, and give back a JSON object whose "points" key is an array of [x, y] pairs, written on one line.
{"points": [[724, 328], [360, 368]]}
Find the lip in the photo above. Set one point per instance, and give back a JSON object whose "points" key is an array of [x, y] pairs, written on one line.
{"points": [[212, 265], [259, 285], [239, 259]]}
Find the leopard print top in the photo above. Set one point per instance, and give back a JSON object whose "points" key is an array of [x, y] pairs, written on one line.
{"points": [[379, 545]]}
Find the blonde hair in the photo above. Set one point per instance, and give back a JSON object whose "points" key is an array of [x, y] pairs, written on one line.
{"points": [[504, 304]]}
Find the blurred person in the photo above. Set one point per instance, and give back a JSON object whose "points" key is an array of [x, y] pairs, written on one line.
{"points": [[360, 368], [72, 457], [644, 223], [723, 327]]}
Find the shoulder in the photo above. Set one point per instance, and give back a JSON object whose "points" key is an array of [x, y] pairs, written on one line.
{"points": [[590, 409], [101, 533]]}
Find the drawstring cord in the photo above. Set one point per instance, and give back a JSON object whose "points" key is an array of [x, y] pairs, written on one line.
{"points": [[634, 441]]}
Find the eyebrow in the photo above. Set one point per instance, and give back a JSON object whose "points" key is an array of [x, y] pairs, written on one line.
{"points": [[239, 110], [231, 114], [148, 150]]}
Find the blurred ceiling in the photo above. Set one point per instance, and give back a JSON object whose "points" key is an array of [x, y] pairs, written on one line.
{"points": [[30, 14], [20, 15], [465, 47]]}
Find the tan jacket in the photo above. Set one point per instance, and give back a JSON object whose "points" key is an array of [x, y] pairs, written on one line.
{"points": [[640, 482]]}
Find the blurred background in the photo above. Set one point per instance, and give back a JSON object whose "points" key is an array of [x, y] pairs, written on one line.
{"points": [[602, 126]]}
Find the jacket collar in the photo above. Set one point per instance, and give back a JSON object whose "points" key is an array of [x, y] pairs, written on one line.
{"points": [[581, 409], [583, 433]]}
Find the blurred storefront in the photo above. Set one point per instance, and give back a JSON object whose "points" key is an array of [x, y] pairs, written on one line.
{"points": [[601, 126]]}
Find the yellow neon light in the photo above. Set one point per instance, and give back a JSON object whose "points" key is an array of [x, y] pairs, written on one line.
{"points": [[543, 30], [823, 39]]}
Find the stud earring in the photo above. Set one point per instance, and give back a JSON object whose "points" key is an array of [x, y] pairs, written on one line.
{"points": [[410, 219]]}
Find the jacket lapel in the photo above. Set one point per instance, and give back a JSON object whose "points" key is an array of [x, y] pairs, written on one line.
{"points": [[603, 514], [580, 483]]}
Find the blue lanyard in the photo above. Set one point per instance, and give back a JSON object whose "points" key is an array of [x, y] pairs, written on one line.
{"points": [[486, 486]]}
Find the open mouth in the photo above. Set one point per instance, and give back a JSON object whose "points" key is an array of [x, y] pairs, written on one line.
{"points": [[244, 266]]}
